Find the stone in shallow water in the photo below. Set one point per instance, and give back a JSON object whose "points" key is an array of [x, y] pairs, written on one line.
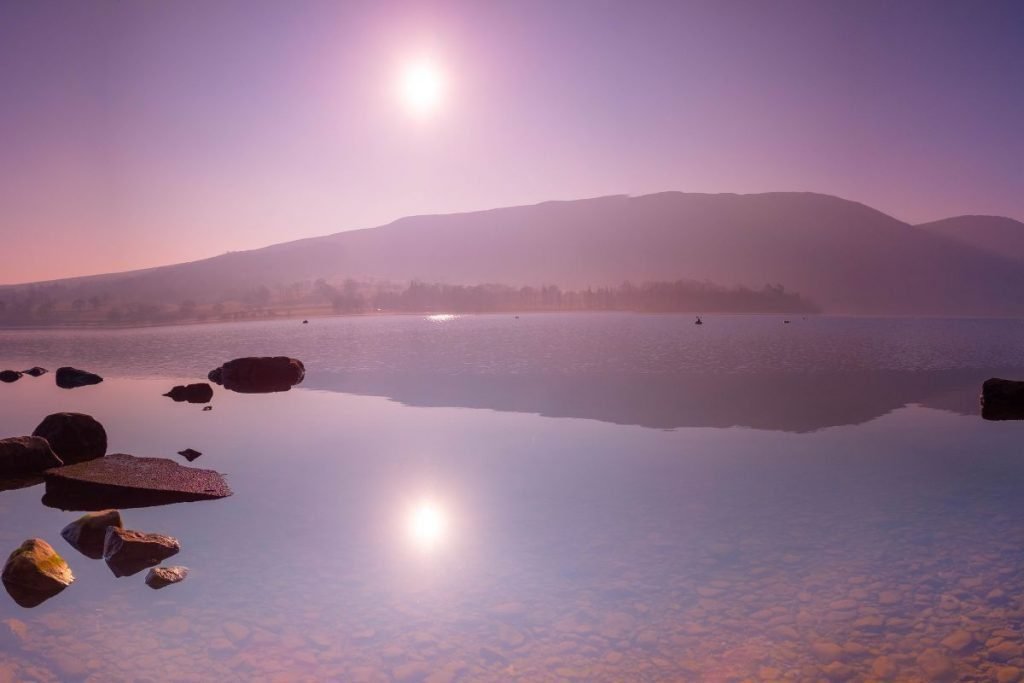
{"points": [[189, 454], [158, 577], [936, 666], [958, 641], [88, 533], [201, 392], [35, 371], [128, 552], [125, 481], [259, 375], [9, 376], [21, 455], [34, 573], [70, 378], [74, 437]]}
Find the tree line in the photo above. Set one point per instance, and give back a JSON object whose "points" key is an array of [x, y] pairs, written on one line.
{"points": [[52, 305]]}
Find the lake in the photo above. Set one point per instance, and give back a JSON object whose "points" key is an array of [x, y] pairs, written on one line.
{"points": [[584, 497]]}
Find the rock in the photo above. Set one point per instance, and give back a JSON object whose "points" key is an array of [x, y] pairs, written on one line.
{"points": [[9, 376], [936, 666], [70, 378], [958, 641], [837, 671], [1002, 399], [26, 455], [35, 371], [259, 375], [826, 652], [1005, 651], [189, 454], [74, 437], [125, 481], [208, 408], [158, 577], [34, 573], [884, 668], [88, 533], [1007, 674], [200, 392], [128, 552]]}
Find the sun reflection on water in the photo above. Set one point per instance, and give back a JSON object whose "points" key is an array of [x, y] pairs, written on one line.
{"points": [[441, 317], [427, 524]]}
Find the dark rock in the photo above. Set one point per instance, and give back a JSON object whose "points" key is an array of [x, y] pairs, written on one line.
{"points": [[74, 437], [9, 376], [69, 378], [125, 481], [20, 482], [34, 573], [128, 552], [26, 455], [189, 454], [1002, 399], [259, 375], [192, 393], [35, 371], [88, 533], [207, 408], [158, 577]]}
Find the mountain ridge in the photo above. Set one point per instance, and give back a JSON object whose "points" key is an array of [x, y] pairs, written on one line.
{"points": [[845, 255]]}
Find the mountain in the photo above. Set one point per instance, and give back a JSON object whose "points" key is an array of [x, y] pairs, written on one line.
{"points": [[844, 256], [995, 234]]}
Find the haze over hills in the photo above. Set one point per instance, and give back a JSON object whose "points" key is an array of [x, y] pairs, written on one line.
{"points": [[844, 256], [996, 234]]}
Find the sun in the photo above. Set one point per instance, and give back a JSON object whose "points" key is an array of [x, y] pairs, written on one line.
{"points": [[421, 87]]}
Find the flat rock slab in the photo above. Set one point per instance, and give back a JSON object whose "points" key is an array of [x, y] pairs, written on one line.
{"points": [[125, 481]]}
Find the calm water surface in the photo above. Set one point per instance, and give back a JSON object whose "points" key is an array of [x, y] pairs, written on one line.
{"points": [[558, 497]]}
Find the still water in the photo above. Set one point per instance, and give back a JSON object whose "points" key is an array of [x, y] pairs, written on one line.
{"points": [[577, 497]]}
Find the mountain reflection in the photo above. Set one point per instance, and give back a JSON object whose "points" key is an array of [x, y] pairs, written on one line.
{"points": [[783, 401]]}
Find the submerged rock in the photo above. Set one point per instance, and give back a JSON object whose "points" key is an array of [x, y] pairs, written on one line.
{"points": [[9, 376], [259, 375], [35, 371], [158, 577], [1002, 399], [189, 454], [88, 533], [34, 573], [70, 378], [125, 481], [128, 552], [26, 455], [200, 392], [74, 437]]}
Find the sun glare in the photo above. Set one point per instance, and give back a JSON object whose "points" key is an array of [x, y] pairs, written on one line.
{"points": [[421, 87], [427, 524]]}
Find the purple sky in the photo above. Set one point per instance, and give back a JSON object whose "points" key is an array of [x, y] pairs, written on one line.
{"points": [[141, 133]]}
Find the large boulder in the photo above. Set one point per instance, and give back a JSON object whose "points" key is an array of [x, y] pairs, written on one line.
{"points": [[88, 533], [69, 378], [9, 376], [34, 573], [128, 552], [1002, 399], [35, 371], [74, 437], [125, 481], [200, 392], [158, 577], [259, 375], [26, 455]]}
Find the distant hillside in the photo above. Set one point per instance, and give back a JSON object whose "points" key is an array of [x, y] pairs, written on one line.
{"points": [[844, 256], [995, 234]]}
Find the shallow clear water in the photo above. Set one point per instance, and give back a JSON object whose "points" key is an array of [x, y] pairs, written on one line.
{"points": [[555, 497]]}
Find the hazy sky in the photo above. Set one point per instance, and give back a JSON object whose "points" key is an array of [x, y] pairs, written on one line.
{"points": [[142, 133]]}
